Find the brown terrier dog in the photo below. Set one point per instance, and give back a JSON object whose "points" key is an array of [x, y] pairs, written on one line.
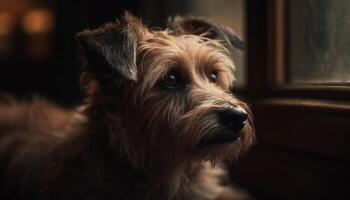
{"points": [[158, 119]]}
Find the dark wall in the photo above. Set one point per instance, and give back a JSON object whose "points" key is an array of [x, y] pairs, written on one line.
{"points": [[57, 77]]}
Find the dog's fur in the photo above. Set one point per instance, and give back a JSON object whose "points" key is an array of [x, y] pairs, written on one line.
{"points": [[133, 138]]}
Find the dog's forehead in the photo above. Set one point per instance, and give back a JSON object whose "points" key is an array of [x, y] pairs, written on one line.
{"points": [[189, 50]]}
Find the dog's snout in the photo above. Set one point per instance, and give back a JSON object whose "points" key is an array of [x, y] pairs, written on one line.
{"points": [[233, 118]]}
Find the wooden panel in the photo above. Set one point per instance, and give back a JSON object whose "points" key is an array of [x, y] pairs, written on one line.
{"points": [[318, 127], [276, 173], [302, 153]]}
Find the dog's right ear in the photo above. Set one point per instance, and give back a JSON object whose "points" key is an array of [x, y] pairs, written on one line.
{"points": [[109, 52], [203, 27]]}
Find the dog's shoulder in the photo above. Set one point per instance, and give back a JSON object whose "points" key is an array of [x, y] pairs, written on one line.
{"points": [[29, 129]]}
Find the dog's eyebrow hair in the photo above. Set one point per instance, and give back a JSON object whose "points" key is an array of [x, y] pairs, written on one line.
{"points": [[208, 63]]}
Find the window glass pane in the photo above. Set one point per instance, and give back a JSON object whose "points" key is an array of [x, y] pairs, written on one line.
{"points": [[318, 41], [230, 13]]}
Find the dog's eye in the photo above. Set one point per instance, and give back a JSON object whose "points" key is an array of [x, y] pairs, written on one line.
{"points": [[171, 80], [213, 77]]}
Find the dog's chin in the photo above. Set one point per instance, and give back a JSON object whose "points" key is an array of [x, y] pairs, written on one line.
{"points": [[222, 137], [223, 151]]}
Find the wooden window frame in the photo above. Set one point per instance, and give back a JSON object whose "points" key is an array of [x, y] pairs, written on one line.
{"points": [[266, 41], [303, 131]]}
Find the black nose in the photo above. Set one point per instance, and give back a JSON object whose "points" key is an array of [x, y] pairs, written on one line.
{"points": [[233, 118]]}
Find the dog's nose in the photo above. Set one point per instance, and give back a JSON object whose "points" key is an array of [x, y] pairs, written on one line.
{"points": [[233, 118]]}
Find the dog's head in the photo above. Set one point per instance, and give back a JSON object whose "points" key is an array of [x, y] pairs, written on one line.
{"points": [[169, 91]]}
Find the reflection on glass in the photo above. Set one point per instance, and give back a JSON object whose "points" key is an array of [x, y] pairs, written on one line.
{"points": [[319, 41]]}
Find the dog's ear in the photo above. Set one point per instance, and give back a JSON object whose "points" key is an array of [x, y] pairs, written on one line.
{"points": [[110, 51], [202, 27]]}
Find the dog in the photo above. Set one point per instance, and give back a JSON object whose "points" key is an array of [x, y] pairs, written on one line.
{"points": [[158, 120]]}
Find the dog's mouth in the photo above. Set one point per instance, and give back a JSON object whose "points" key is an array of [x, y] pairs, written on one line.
{"points": [[231, 122], [223, 137]]}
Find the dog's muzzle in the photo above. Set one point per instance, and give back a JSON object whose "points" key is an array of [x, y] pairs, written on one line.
{"points": [[232, 121]]}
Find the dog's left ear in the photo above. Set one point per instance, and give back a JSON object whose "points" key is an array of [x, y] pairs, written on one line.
{"points": [[202, 27]]}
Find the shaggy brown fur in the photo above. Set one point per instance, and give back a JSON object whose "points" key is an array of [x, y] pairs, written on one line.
{"points": [[149, 128]]}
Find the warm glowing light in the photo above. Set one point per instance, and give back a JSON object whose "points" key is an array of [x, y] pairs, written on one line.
{"points": [[7, 23], [38, 21]]}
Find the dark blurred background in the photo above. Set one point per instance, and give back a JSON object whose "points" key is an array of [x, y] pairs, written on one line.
{"points": [[38, 52]]}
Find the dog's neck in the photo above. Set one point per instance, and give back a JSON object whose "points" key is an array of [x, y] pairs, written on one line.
{"points": [[185, 182], [196, 179], [179, 181]]}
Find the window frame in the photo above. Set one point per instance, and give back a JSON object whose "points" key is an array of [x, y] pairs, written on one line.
{"points": [[272, 61], [285, 154]]}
